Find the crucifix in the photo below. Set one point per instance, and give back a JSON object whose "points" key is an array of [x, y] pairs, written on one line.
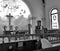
{"points": [[9, 17]]}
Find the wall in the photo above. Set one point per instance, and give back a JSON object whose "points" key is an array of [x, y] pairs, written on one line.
{"points": [[36, 9], [49, 5]]}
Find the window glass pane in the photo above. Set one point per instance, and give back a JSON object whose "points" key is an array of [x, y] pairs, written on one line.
{"points": [[54, 11]]}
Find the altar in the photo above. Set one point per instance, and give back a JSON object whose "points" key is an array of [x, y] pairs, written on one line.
{"points": [[17, 43]]}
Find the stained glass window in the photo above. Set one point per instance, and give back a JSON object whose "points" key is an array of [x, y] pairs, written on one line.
{"points": [[54, 19], [17, 8]]}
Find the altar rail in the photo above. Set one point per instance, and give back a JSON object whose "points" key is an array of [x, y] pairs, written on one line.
{"points": [[16, 38], [52, 37]]}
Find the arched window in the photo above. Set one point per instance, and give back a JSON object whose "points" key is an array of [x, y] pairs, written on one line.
{"points": [[54, 18], [17, 8]]}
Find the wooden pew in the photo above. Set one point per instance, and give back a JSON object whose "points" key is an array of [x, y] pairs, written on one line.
{"points": [[9, 47]]}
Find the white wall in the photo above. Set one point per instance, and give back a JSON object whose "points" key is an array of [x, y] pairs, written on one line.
{"points": [[49, 5], [36, 9]]}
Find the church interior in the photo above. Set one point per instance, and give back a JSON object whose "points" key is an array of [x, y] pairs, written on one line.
{"points": [[29, 25]]}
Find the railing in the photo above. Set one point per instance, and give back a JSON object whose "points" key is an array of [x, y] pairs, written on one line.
{"points": [[16, 38], [52, 37]]}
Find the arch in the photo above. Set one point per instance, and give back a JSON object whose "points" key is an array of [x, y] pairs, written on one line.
{"points": [[23, 9], [54, 18], [18, 9], [29, 5], [54, 11]]}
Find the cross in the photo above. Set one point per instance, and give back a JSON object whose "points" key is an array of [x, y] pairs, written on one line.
{"points": [[9, 17]]}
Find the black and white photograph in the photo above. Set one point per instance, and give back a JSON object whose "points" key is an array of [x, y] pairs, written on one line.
{"points": [[29, 25]]}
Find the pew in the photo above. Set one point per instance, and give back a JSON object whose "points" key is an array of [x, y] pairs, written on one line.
{"points": [[9, 47], [28, 45]]}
